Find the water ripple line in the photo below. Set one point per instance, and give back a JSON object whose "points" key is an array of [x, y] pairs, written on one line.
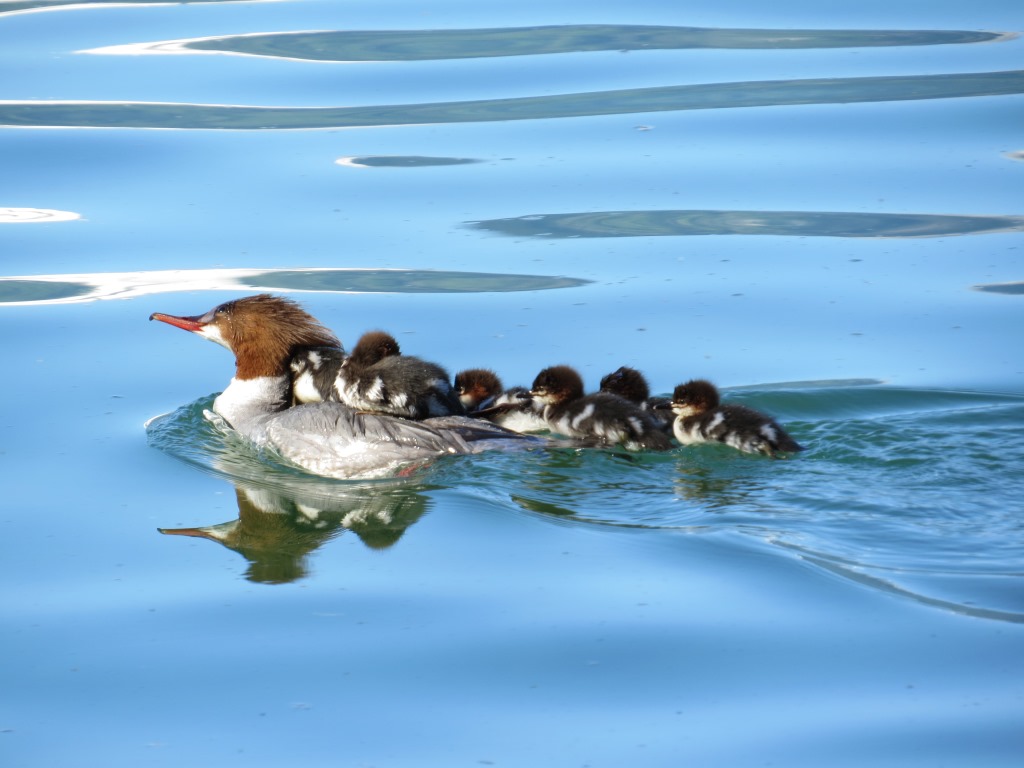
{"points": [[765, 93]]}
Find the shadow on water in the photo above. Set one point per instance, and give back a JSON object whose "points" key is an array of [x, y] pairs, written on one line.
{"points": [[435, 44], [758, 93], [690, 223], [913, 493]]}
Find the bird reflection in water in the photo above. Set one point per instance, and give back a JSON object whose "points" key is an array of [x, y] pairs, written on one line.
{"points": [[276, 530]]}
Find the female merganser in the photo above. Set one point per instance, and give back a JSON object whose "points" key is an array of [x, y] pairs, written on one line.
{"points": [[484, 397], [265, 333], [604, 417], [375, 377], [701, 418], [631, 384]]}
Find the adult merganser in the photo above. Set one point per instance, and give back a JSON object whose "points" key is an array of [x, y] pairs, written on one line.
{"points": [[701, 418], [375, 377], [606, 418], [265, 333], [631, 384], [484, 397]]}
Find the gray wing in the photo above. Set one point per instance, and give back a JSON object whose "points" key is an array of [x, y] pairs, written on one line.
{"points": [[335, 441]]}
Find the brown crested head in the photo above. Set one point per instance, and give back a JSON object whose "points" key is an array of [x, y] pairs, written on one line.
{"points": [[476, 385], [263, 332], [557, 384], [372, 347], [697, 395], [628, 383]]}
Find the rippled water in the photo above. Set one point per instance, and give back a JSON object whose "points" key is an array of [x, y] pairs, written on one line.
{"points": [[818, 208], [898, 488]]}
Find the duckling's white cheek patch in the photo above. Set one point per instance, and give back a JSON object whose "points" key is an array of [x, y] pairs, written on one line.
{"points": [[212, 333]]}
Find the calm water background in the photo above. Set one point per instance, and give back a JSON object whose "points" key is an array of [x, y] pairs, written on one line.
{"points": [[828, 225]]}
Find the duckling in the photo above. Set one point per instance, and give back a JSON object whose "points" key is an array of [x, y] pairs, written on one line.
{"points": [[702, 418], [477, 388], [631, 384], [602, 417], [484, 397], [378, 378]]}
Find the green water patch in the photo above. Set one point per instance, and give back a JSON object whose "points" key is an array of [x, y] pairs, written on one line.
{"points": [[16, 291], [405, 161], [406, 281], [912, 492], [1008, 289], [433, 44], [767, 93], [782, 223]]}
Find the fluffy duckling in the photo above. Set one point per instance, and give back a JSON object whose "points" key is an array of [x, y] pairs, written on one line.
{"points": [[376, 378], [631, 384], [702, 418], [483, 396], [477, 388], [603, 417]]}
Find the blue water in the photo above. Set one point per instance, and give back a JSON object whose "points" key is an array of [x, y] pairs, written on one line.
{"points": [[827, 222]]}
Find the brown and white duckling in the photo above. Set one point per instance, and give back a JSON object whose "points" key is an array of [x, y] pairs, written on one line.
{"points": [[702, 418], [602, 417], [631, 384], [484, 397], [376, 377]]}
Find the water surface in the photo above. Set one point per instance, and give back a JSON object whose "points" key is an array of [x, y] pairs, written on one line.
{"points": [[818, 209]]}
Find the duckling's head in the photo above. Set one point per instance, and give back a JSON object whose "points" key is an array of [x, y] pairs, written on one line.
{"points": [[557, 384], [628, 383], [476, 385], [372, 347], [694, 397]]}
